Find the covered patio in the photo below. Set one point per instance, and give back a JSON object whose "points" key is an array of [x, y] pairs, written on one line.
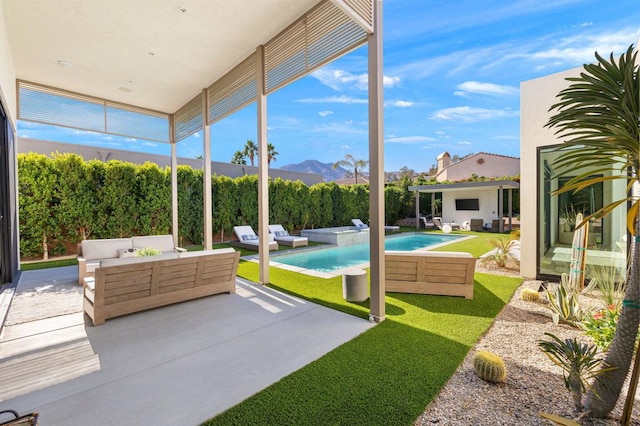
{"points": [[464, 201], [180, 364], [165, 70]]}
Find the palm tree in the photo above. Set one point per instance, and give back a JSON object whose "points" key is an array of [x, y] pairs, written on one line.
{"points": [[271, 153], [238, 158], [351, 164], [250, 150], [599, 115]]}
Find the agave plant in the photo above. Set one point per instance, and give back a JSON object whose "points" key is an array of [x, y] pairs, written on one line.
{"points": [[564, 302], [579, 362]]}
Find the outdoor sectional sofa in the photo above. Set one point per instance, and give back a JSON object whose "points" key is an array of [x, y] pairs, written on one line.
{"points": [[430, 272], [125, 286], [92, 252]]}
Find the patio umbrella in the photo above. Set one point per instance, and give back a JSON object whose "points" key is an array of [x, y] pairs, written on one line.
{"points": [[578, 254]]}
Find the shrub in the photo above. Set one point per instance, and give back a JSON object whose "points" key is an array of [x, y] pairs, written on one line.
{"points": [[489, 367]]}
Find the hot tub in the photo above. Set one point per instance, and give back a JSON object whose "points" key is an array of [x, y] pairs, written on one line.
{"points": [[340, 236]]}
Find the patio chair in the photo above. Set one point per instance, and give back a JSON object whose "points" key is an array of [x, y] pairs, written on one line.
{"points": [[476, 225], [437, 221], [248, 239], [495, 225], [282, 237]]}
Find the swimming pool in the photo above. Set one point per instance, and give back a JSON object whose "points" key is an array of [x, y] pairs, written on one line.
{"points": [[332, 259]]}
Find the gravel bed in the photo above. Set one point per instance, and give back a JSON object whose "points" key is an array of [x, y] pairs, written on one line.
{"points": [[534, 384]]}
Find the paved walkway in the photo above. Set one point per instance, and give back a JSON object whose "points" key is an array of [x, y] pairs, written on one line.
{"points": [[179, 364]]}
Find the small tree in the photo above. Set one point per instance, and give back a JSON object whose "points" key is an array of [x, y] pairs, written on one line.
{"points": [[351, 164], [250, 150], [271, 153], [599, 115], [239, 158]]}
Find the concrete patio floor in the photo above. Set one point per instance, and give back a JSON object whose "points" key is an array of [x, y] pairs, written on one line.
{"points": [[179, 364]]}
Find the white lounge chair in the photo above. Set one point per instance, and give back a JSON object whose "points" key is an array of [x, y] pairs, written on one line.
{"points": [[282, 237], [438, 222], [362, 226], [359, 224], [248, 239]]}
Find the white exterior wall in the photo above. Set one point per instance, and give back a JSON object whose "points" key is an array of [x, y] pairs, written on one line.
{"points": [[487, 199], [489, 166], [7, 74], [536, 96]]}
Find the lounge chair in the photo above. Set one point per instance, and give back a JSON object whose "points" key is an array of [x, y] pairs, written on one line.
{"points": [[282, 237], [359, 224], [248, 239], [438, 222]]}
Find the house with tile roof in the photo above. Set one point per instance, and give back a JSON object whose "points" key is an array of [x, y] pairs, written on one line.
{"points": [[481, 164]]}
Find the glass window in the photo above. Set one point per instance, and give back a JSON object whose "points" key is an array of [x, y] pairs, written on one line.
{"points": [[606, 241]]}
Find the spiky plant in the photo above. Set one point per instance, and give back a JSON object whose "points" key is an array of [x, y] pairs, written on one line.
{"points": [[579, 361], [598, 115]]}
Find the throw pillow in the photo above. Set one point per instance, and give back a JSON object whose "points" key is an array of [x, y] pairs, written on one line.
{"points": [[249, 237], [282, 234], [131, 252]]}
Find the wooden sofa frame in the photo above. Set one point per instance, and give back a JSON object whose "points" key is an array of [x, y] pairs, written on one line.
{"points": [[123, 289], [429, 272]]}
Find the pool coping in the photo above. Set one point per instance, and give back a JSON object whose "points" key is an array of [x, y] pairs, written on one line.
{"points": [[341, 271]]}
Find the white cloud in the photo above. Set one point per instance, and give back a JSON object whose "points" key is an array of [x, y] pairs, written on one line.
{"points": [[484, 89], [345, 128], [469, 114], [400, 104], [340, 79], [506, 137], [464, 143], [151, 144], [344, 147], [342, 99], [325, 113], [409, 139]]}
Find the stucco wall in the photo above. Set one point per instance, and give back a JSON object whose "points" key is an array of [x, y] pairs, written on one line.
{"points": [[487, 200], [7, 73], [481, 164], [536, 96]]}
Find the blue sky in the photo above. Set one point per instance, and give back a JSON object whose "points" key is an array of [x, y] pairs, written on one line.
{"points": [[452, 77]]}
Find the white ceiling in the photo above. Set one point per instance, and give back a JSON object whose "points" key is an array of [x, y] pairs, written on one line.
{"points": [[147, 53]]}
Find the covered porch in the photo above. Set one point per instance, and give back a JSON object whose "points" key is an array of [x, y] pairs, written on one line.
{"points": [[464, 201], [164, 71]]}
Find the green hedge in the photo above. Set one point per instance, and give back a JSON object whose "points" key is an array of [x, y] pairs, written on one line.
{"points": [[65, 199]]}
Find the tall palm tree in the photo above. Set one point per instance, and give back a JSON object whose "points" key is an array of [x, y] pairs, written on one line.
{"points": [[239, 158], [351, 164], [250, 150], [271, 153], [599, 115]]}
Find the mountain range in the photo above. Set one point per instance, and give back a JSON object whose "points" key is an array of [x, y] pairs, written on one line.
{"points": [[326, 170]]}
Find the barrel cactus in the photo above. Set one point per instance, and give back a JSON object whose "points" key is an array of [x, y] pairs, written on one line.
{"points": [[530, 295], [489, 367]]}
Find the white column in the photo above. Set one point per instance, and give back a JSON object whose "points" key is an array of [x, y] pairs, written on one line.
{"points": [[376, 168], [174, 192], [206, 187], [263, 173]]}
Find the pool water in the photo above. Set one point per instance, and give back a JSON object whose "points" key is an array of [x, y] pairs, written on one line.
{"points": [[334, 258]]}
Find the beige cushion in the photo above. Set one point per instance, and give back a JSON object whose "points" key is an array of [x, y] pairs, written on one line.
{"points": [[104, 249], [429, 253], [138, 259], [164, 243], [205, 252]]}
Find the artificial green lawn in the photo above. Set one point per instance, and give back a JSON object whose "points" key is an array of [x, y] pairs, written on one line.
{"points": [[385, 376]]}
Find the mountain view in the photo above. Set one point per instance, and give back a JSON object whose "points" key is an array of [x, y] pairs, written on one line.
{"points": [[326, 170]]}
